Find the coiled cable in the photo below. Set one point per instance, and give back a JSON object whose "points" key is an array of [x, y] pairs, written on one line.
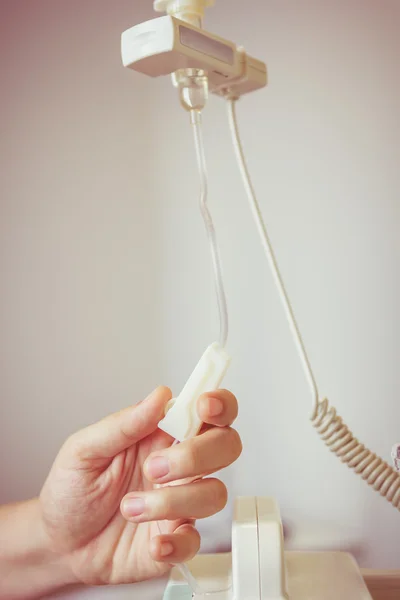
{"points": [[341, 441], [329, 425]]}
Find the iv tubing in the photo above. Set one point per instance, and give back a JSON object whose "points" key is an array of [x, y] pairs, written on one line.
{"points": [[329, 425], [219, 282], [195, 118], [184, 569], [266, 243], [190, 80]]}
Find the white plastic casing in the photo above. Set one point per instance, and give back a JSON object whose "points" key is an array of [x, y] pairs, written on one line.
{"points": [[164, 45], [259, 569], [258, 561], [191, 11], [245, 557], [182, 421], [273, 576]]}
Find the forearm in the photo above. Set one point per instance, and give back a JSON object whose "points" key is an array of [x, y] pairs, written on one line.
{"points": [[28, 567]]}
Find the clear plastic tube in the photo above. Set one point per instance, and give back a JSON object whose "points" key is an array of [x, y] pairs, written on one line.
{"points": [[184, 569], [197, 591], [208, 222], [195, 115], [193, 94]]}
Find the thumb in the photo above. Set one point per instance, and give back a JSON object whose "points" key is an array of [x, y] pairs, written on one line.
{"points": [[118, 431]]}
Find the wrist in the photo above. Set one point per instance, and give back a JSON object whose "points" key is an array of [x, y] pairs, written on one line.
{"points": [[29, 567], [49, 557]]}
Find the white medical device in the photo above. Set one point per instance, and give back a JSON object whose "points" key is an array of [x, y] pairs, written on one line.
{"points": [[165, 45], [181, 420], [201, 62], [258, 568]]}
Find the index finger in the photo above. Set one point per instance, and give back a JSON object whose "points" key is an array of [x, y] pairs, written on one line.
{"points": [[218, 408], [117, 432]]}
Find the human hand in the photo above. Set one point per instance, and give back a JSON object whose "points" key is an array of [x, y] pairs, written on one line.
{"points": [[99, 508]]}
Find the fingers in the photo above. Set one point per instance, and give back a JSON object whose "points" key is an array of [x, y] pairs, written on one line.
{"points": [[177, 547], [191, 501], [115, 433], [219, 408], [215, 449]]}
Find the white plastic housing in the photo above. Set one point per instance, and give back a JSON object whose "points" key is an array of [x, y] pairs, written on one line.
{"points": [[172, 6], [191, 11], [245, 556], [182, 421], [164, 45], [258, 562], [259, 569], [270, 548]]}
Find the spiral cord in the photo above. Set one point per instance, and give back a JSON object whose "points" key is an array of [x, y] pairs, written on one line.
{"points": [[329, 425], [341, 441]]}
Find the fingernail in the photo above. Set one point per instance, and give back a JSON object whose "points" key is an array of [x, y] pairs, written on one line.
{"points": [[133, 507], [215, 407], [166, 549], [158, 467]]}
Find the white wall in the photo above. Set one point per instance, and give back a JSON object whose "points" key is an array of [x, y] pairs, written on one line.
{"points": [[106, 284]]}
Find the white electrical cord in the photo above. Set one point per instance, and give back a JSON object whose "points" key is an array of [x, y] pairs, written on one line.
{"points": [[336, 435], [267, 245]]}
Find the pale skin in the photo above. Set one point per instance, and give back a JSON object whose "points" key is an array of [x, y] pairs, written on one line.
{"points": [[95, 520]]}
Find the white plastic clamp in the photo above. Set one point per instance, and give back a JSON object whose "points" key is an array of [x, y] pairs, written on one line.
{"points": [[182, 421]]}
